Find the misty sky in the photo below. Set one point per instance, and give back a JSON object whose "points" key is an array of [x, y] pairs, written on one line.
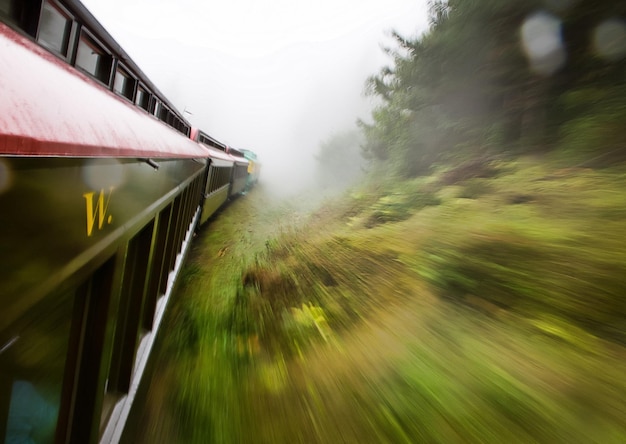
{"points": [[273, 76]]}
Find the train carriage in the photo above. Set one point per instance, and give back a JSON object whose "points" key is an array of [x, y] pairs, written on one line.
{"points": [[240, 172], [102, 183], [219, 176], [254, 168], [100, 190]]}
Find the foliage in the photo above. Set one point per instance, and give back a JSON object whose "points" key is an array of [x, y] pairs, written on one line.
{"points": [[475, 188], [540, 252], [595, 134], [492, 319], [395, 207], [339, 160], [472, 85]]}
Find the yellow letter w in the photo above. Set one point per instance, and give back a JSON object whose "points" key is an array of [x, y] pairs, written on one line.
{"points": [[100, 210]]}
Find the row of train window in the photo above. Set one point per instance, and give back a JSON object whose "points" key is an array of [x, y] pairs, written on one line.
{"points": [[218, 177], [62, 377], [56, 29], [202, 138]]}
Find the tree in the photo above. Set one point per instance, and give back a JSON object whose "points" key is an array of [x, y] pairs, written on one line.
{"points": [[490, 75], [339, 160]]}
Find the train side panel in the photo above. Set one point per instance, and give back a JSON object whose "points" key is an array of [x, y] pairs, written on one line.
{"points": [[82, 293], [239, 177], [218, 182]]}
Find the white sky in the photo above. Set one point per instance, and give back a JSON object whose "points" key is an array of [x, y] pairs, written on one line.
{"points": [[273, 76]]}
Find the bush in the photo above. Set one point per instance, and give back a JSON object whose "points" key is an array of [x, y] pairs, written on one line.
{"points": [[397, 207], [532, 278]]}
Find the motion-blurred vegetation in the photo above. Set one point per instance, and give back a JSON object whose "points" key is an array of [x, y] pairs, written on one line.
{"points": [[471, 289], [494, 313]]}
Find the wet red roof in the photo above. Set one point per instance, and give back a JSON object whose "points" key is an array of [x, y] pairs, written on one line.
{"points": [[48, 108]]}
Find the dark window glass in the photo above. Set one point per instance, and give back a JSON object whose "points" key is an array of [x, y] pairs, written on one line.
{"points": [[6, 11], [129, 317], [124, 84], [163, 113], [93, 331], [92, 59], [23, 14], [54, 29], [143, 98], [32, 364]]}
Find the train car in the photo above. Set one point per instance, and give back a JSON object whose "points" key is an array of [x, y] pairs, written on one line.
{"points": [[254, 168], [100, 190], [219, 177], [240, 172]]}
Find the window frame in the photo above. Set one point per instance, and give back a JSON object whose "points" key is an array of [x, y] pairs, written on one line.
{"points": [[70, 31], [87, 38], [123, 71], [144, 91]]}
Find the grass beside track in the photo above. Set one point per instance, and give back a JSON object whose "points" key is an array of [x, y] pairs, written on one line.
{"points": [[460, 307]]}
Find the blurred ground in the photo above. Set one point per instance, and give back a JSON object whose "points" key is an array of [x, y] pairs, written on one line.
{"points": [[453, 308]]}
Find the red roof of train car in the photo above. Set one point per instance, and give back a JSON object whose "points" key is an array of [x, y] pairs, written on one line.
{"points": [[238, 159], [48, 108], [217, 154]]}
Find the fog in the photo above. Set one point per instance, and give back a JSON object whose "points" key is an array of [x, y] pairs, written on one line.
{"points": [[276, 77]]}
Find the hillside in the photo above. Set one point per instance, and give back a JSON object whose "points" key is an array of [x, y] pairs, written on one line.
{"points": [[482, 303]]}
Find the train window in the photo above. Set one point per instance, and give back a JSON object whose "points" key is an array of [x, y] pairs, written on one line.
{"points": [[124, 84], [172, 241], [163, 113], [152, 103], [91, 335], [156, 285], [92, 59], [157, 107], [32, 366], [185, 129], [181, 126], [142, 99], [54, 29], [127, 333], [6, 10], [167, 220], [22, 14]]}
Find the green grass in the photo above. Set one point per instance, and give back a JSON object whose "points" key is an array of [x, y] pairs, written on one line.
{"points": [[477, 310]]}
